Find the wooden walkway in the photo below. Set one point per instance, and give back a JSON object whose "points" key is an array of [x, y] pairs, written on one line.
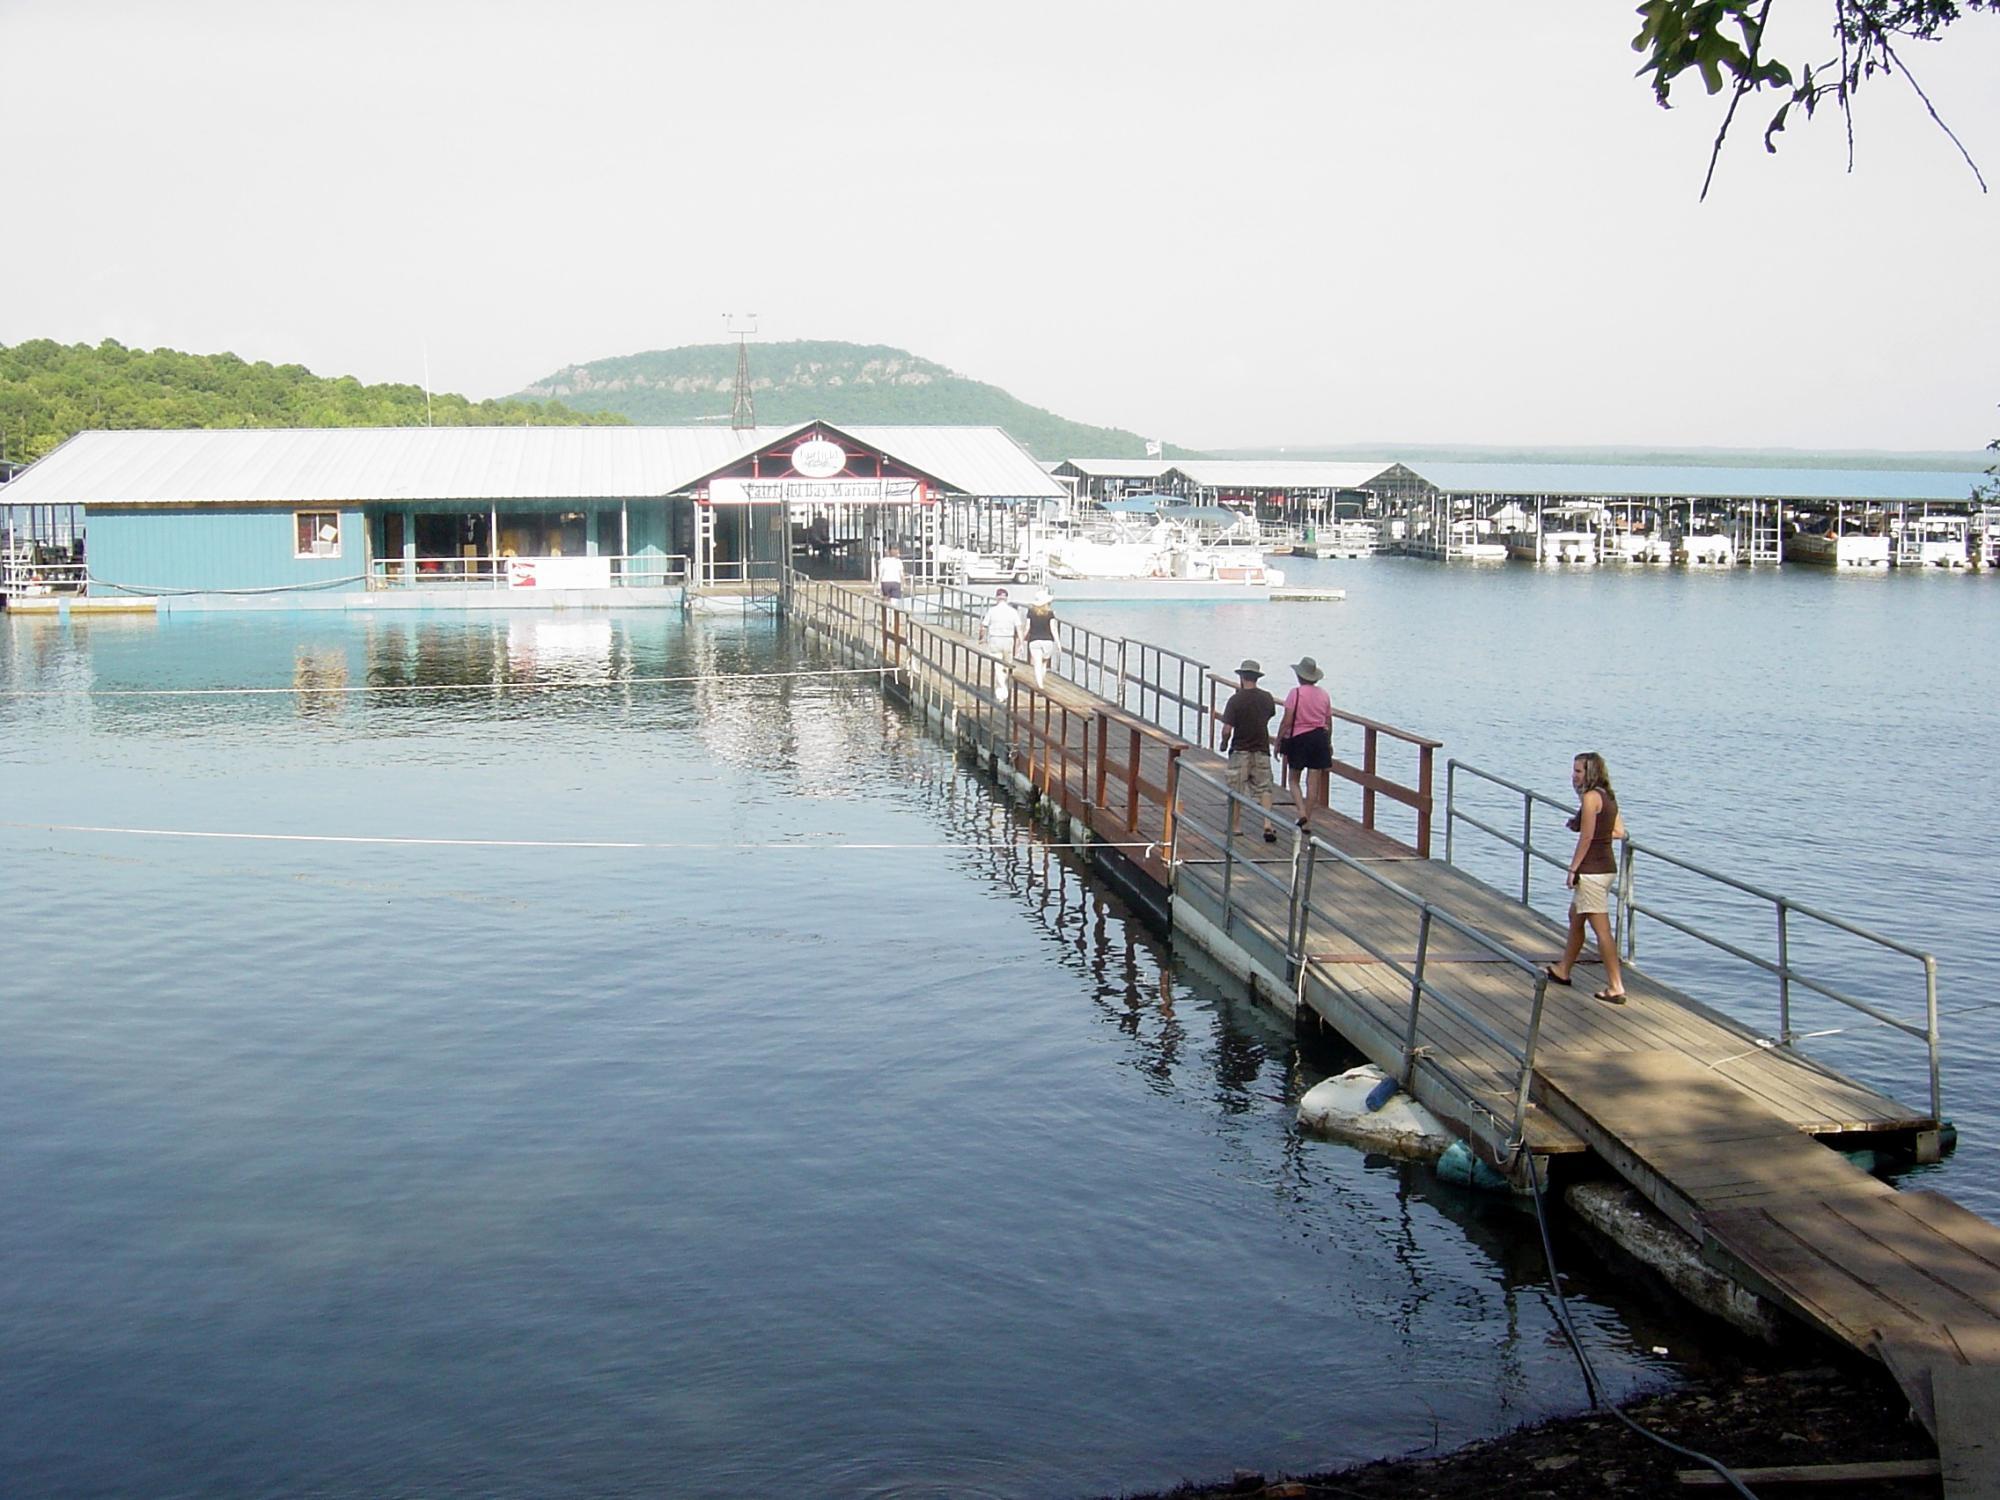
{"points": [[1716, 1125]]}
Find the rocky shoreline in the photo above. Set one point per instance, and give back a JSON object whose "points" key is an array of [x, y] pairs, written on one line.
{"points": [[1753, 1418]]}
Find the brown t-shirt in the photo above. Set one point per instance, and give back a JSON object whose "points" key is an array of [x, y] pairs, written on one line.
{"points": [[1247, 716], [1598, 858]]}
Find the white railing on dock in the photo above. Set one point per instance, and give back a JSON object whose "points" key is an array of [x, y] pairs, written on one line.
{"points": [[1779, 964], [1303, 914], [656, 570], [20, 577]]}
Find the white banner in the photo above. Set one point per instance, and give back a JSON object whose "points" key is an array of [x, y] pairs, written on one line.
{"points": [[826, 491], [558, 572]]}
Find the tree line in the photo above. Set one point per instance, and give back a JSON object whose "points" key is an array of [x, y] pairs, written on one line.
{"points": [[49, 391]]}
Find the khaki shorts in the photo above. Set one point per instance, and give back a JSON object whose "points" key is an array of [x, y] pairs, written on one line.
{"points": [[1250, 771], [1592, 894]]}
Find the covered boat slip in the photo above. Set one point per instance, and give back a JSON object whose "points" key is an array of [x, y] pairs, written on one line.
{"points": [[1438, 977]]}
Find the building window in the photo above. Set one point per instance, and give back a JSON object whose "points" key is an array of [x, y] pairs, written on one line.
{"points": [[318, 533]]}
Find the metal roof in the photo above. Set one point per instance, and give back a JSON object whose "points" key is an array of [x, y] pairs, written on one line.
{"points": [[1688, 481], [1281, 473], [358, 464], [1118, 468], [972, 460]]}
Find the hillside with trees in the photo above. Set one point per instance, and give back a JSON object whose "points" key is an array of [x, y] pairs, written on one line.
{"points": [[49, 391], [840, 382]]}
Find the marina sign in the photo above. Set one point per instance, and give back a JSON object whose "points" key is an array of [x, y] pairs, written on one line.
{"points": [[818, 459], [825, 491]]}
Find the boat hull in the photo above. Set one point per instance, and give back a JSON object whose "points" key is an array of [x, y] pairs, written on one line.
{"points": [[1821, 551]]}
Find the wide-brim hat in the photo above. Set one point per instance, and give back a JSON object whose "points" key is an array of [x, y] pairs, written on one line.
{"points": [[1249, 669], [1042, 596], [1308, 669]]}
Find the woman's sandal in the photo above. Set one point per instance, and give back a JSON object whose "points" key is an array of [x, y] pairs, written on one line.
{"points": [[1610, 997], [1554, 977]]}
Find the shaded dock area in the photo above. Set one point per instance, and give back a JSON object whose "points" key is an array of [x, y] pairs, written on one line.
{"points": [[1439, 978]]}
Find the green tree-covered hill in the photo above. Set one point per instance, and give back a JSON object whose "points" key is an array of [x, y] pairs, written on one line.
{"points": [[797, 381], [49, 391]]}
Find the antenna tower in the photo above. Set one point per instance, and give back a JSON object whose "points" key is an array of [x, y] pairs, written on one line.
{"points": [[743, 409]]}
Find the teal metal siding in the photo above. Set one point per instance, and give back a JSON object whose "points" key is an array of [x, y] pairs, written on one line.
{"points": [[648, 522], [218, 548]]}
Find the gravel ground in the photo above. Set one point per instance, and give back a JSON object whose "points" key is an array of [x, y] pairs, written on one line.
{"points": [[1848, 1414]]}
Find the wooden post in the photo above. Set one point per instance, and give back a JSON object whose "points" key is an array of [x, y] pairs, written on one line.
{"points": [[1132, 786], [1168, 831], [1103, 734], [1368, 747], [1424, 756]]}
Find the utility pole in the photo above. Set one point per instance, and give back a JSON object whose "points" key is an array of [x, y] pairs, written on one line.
{"points": [[743, 409]]}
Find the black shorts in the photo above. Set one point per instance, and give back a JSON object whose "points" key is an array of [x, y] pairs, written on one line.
{"points": [[892, 591], [1311, 751]]}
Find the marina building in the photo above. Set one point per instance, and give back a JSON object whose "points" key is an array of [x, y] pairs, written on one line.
{"points": [[496, 517]]}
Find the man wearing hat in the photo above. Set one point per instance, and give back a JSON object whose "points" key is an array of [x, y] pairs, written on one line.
{"points": [[1305, 737], [1000, 625], [1246, 739]]}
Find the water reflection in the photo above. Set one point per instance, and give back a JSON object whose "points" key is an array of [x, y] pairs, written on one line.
{"points": [[901, 1154]]}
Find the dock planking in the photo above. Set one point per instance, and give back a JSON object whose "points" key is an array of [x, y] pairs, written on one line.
{"points": [[1709, 1118]]}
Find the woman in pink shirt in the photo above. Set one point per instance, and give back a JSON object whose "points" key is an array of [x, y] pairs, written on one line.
{"points": [[1305, 735]]}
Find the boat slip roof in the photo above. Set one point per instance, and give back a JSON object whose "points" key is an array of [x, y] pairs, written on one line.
{"points": [[1118, 468], [1689, 481], [358, 464], [1282, 473]]}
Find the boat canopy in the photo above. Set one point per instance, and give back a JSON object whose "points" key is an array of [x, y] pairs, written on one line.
{"points": [[1206, 515], [1140, 505]]}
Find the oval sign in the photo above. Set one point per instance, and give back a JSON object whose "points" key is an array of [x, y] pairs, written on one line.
{"points": [[818, 459]]}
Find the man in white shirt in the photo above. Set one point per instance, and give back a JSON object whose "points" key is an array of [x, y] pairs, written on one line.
{"points": [[890, 575], [1001, 625]]}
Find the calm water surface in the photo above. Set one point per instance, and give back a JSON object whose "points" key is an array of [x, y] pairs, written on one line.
{"points": [[730, 1156]]}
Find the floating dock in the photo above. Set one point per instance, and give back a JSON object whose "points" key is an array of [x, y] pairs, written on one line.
{"points": [[1439, 979]]}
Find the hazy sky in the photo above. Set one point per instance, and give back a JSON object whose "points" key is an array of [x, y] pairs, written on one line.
{"points": [[1226, 224]]}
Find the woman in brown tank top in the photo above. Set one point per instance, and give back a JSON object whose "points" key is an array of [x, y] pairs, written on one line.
{"points": [[1592, 868]]}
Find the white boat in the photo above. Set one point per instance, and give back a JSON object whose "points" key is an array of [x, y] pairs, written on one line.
{"points": [[1984, 543], [1704, 549], [1639, 548], [1462, 540], [1351, 538], [963, 565], [1161, 561], [1568, 535], [1837, 549], [1932, 542]]}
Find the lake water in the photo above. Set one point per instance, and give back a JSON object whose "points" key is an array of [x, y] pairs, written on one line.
{"points": [[729, 1156]]}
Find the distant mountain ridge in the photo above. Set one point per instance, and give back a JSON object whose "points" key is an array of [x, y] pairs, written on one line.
{"points": [[798, 380]]}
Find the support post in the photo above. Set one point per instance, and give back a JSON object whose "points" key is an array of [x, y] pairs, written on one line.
{"points": [[1132, 785], [1369, 737], [1424, 757], [1784, 975], [1416, 998], [1527, 842]]}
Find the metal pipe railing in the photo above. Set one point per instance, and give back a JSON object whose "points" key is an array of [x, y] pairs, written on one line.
{"points": [[1782, 968], [1422, 988], [636, 571]]}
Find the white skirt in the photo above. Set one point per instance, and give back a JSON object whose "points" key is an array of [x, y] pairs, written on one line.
{"points": [[1592, 894]]}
